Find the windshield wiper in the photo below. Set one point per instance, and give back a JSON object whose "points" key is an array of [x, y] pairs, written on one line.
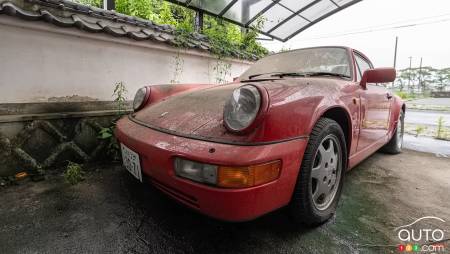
{"points": [[309, 74], [323, 73], [266, 73], [291, 74], [299, 74]]}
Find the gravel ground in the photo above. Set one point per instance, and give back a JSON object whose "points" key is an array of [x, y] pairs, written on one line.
{"points": [[110, 212]]}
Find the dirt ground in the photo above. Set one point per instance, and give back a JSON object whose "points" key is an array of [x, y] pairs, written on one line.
{"points": [[110, 212]]}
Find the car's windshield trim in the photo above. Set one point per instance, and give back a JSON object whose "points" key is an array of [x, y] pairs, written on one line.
{"points": [[349, 53]]}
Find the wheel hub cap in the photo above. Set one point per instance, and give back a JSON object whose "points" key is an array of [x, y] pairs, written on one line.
{"points": [[325, 174]]}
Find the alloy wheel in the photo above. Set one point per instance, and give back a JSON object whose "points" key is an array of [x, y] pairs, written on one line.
{"points": [[326, 172]]}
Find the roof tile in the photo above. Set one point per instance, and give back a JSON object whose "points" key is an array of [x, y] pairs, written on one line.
{"points": [[64, 13]]}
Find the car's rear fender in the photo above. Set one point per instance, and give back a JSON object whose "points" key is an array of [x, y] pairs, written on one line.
{"points": [[397, 105]]}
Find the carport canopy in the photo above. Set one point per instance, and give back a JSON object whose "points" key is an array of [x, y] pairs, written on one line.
{"points": [[282, 19]]}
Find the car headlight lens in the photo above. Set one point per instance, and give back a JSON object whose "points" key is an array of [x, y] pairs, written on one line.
{"points": [[196, 171], [140, 98], [242, 108], [228, 176]]}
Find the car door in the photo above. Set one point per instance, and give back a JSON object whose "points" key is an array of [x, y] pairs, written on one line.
{"points": [[375, 108]]}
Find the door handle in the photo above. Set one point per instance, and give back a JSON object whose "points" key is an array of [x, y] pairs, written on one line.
{"points": [[389, 96]]}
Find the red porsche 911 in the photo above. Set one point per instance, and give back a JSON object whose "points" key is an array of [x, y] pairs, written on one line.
{"points": [[282, 134]]}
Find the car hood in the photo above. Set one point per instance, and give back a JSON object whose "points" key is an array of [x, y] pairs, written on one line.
{"points": [[196, 113], [199, 113]]}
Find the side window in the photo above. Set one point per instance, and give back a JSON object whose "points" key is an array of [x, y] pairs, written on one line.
{"points": [[362, 65]]}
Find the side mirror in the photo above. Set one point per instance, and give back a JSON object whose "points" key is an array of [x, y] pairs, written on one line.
{"points": [[378, 75]]}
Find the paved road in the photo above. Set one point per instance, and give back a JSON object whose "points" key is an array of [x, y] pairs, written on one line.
{"points": [[111, 212], [427, 144], [426, 117], [432, 101]]}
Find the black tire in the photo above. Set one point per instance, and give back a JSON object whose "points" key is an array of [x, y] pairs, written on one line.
{"points": [[302, 207], [396, 143]]}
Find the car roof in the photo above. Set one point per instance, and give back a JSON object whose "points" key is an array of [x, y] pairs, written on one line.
{"points": [[293, 50]]}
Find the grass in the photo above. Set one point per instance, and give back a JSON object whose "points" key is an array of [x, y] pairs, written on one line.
{"points": [[420, 129], [405, 95], [441, 132]]}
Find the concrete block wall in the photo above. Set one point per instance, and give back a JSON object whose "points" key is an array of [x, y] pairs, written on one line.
{"points": [[46, 135]]}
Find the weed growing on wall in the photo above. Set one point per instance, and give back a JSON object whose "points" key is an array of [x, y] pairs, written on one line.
{"points": [[107, 133], [222, 70], [178, 63], [222, 46], [119, 96]]}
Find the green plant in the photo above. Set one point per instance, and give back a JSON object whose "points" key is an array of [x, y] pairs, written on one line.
{"points": [[222, 70], [112, 146], [178, 67], [73, 173], [119, 95], [107, 133], [420, 129], [224, 38], [440, 131], [405, 95], [95, 3], [283, 49]]}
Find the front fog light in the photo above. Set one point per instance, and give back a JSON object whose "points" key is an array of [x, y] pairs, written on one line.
{"points": [[196, 171]]}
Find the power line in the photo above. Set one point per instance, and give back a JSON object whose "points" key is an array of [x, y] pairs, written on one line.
{"points": [[404, 21], [381, 27]]}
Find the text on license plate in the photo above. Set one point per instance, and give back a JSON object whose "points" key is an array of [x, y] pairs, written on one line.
{"points": [[131, 161]]}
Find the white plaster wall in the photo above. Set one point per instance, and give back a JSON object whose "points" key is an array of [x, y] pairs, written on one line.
{"points": [[39, 60]]}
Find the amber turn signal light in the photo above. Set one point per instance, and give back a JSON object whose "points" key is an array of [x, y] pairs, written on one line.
{"points": [[243, 177]]}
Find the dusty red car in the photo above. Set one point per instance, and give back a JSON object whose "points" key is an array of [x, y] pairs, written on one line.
{"points": [[282, 134]]}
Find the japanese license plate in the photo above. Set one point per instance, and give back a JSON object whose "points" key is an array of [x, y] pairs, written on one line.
{"points": [[131, 161]]}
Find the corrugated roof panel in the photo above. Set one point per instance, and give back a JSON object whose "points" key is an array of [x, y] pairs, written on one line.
{"points": [[318, 10], [244, 10], [293, 24], [283, 19]]}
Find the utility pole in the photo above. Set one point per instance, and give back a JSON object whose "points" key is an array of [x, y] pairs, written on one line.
{"points": [[409, 74], [420, 76], [395, 57], [395, 51]]}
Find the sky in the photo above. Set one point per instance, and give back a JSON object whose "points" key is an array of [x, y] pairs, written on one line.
{"points": [[429, 38]]}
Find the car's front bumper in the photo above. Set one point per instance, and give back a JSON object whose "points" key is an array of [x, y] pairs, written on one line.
{"points": [[157, 151]]}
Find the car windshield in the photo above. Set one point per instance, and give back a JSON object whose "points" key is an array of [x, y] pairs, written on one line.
{"points": [[330, 61]]}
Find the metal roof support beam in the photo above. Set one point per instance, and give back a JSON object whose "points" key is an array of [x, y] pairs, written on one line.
{"points": [[293, 15], [109, 4], [249, 20], [261, 12], [334, 3], [198, 26], [215, 15], [227, 8], [321, 18]]}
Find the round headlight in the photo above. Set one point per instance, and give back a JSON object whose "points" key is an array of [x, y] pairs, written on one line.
{"points": [[242, 108], [140, 98]]}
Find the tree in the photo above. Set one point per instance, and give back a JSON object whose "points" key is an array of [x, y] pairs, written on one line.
{"points": [[427, 79], [225, 37]]}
